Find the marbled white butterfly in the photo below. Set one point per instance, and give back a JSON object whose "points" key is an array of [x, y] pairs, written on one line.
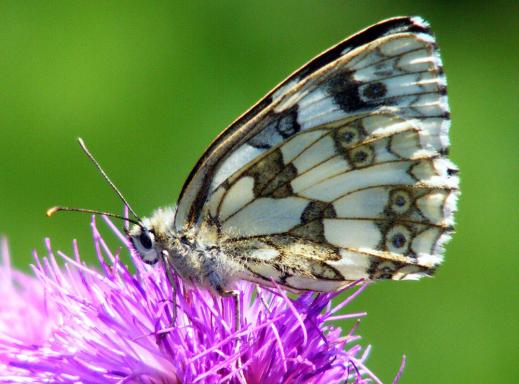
{"points": [[339, 173]]}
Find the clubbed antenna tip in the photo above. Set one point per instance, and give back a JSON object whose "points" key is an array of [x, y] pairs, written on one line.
{"points": [[52, 211]]}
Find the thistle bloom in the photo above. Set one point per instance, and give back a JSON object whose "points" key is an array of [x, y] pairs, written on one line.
{"points": [[76, 324]]}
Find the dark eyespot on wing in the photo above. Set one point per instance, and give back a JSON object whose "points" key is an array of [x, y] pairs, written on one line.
{"points": [[347, 93], [287, 125], [375, 90], [278, 126]]}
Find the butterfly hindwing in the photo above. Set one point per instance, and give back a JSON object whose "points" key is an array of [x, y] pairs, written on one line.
{"points": [[340, 173], [361, 196]]}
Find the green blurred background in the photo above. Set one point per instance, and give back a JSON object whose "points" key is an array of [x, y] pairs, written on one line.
{"points": [[149, 84]]}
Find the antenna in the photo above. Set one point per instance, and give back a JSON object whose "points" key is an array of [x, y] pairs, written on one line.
{"points": [[53, 210], [105, 176]]}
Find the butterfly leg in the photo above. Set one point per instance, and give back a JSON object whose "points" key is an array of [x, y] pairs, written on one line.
{"points": [[237, 324], [166, 262], [262, 299]]}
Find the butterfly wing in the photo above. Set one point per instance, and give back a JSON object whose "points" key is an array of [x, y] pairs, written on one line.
{"points": [[340, 172]]}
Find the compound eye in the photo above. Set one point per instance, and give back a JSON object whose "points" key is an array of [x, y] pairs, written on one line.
{"points": [[146, 240]]}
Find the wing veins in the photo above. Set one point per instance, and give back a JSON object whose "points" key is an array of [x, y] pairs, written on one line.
{"points": [[335, 155], [338, 155], [413, 186], [369, 166], [388, 57], [272, 178], [380, 219]]}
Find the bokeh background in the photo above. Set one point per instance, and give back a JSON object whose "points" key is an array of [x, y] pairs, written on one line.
{"points": [[149, 84]]}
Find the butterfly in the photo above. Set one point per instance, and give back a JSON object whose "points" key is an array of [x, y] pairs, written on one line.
{"points": [[340, 173]]}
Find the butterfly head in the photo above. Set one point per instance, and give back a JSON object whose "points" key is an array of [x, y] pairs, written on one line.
{"points": [[152, 236], [143, 241]]}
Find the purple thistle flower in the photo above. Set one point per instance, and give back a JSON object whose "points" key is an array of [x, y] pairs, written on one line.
{"points": [[76, 324]]}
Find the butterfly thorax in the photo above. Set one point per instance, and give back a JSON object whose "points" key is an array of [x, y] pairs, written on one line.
{"points": [[196, 257]]}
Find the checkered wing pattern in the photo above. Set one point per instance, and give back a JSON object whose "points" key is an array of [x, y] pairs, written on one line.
{"points": [[341, 172]]}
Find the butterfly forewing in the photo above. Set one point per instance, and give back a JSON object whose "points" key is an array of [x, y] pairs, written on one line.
{"points": [[339, 173]]}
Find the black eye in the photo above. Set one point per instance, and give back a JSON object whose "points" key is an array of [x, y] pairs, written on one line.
{"points": [[145, 240]]}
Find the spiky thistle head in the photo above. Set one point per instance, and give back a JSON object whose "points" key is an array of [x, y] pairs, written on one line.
{"points": [[73, 323]]}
